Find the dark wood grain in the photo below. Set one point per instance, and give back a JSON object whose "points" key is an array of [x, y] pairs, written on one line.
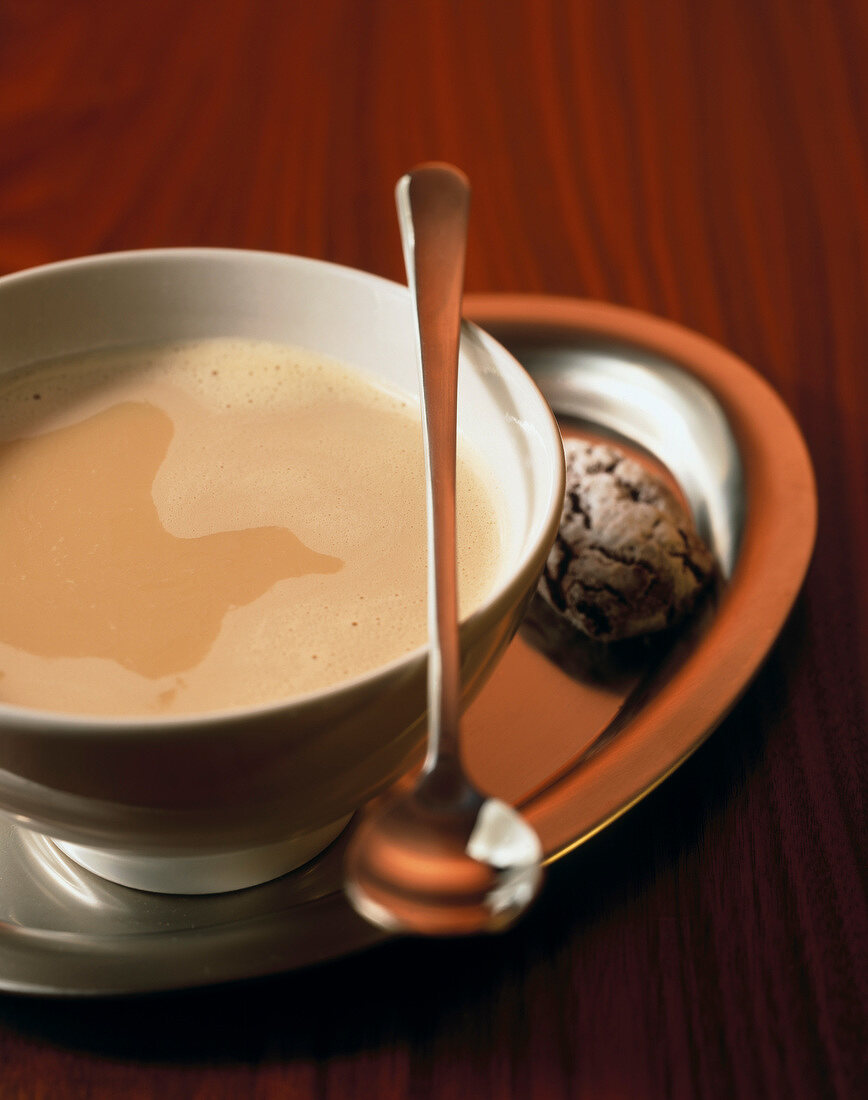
{"points": [[704, 161]]}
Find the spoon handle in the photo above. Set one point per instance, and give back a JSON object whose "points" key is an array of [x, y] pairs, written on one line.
{"points": [[433, 206]]}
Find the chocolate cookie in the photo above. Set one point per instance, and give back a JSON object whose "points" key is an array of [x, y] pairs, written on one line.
{"points": [[627, 559]]}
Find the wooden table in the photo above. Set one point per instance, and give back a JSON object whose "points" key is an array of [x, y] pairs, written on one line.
{"points": [[705, 161]]}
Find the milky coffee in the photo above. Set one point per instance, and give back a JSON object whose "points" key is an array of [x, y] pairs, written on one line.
{"points": [[192, 527]]}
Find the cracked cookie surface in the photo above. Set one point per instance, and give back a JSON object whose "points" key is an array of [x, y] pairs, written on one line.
{"points": [[627, 559]]}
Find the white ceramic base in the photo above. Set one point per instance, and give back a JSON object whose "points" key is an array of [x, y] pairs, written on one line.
{"points": [[210, 874]]}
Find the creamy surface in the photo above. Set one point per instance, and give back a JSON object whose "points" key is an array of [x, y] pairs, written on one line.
{"points": [[193, 527]]}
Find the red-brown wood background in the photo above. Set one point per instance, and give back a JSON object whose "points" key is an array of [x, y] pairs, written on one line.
{"points": [[706, 160]]}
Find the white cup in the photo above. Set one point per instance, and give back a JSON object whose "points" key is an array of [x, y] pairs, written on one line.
{"points": [[197, 804]]}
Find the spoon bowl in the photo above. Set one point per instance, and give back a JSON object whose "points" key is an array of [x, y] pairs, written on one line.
{"points": [[444, 868]]}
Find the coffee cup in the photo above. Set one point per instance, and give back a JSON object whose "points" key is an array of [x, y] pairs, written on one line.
{"points": [[231, 795]]}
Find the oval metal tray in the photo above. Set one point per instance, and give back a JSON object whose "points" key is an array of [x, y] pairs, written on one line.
{"points": [[574, 733]]}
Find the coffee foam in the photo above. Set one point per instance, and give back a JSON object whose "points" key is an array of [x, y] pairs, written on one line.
{"points": [[264, 436]]}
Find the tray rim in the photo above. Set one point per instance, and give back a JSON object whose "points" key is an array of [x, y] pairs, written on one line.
{"points": [[776, 548]]}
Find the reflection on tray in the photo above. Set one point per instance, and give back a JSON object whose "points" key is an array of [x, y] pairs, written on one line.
{"points": [[635, 668]]}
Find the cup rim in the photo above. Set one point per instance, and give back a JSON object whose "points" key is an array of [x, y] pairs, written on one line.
{"points": [[531, 559]]}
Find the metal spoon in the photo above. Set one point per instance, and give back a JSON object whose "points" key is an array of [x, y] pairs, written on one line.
{"points": [[441, 859]]}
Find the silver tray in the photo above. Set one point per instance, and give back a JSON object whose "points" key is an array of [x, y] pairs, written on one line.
{"points": [[608, 724]]}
